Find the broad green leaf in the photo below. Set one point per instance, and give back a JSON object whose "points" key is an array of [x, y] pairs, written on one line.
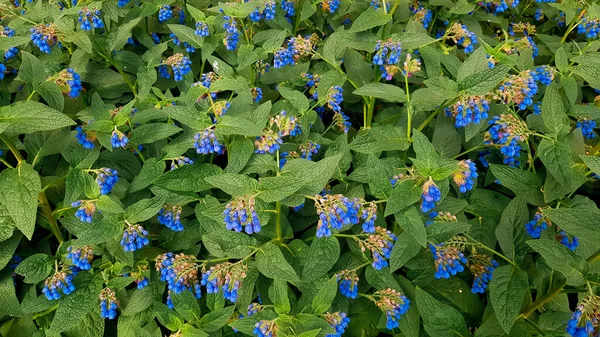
{"points": [[404, 249], [9, 303], [188, 178], [118, 37], [152, 169], [440, 320], [511, 232], [368, 19], [404, 194], [141, 299], [322, 255], [325, 296], [215, 320], [384, 91], [426, 154], [554, 112], [475, 63], [278, 294], [411, 222], [296, 99], [560, 258], [19, 188], [507, 289], [25, 117], [77, 305], [233, 184], [32, 70], [7, 249], [35, 268], [592, 162], [272, 264], [556, 157], [150, 133]]}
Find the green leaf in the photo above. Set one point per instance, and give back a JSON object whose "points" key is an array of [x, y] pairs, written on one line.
{"points": [[186, 305], [233, 184], [35, 268], [507, 289], [592, 162], [9, 42], [108, 205], [384, 91], [167, 317], [380, 138], [426, 154], [440, 231], [188, 178], [278, 188], [404, 194], [52, 94], [272, 264], [322, 255], [143, 209], [186, 34], [25, 117], [32, 70], [7, 249], [19, 188], [475, 63], [101, 231], [411, 222], [556, 156], [118, 37], [368, 19], [325, 296], [150, 133], [215, 320], [439, 319], [278, 294], [227, 243], [404, 249], [9, 303], [511, 232], [152, 169], [296, 99], [578, 221], [484, 82], [229, 125], [561, 258], [140, 300], [522, 183], [77, 305], [554, 113]]}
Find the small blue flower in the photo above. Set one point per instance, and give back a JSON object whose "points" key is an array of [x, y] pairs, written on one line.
{"points": [[142, 283], [380, 243], [106, 179], [69, 81], [536, 226], [122, 3], [170, 216], [206, 142], [90, 18], [393, 303], [288, 7], [269, 12], [2, 71], [256, 15], [348, 283], [571, 242], [257, 94], [108, 304], [231, 33], [449, 260], [85, 138], [430, 196], [240, 213], [422, 15], [462, 36], [44, 36], [118, 139], [180, 272], [505, 132], [335, 98], [81, 257], [537, 108], [180, 161], [336, 211], [254, 308], [134, 237], [387, 57], [179, 64], [85, 211], [466, 175], [583, 322], [265, 328], [202, 29], [164, 13], [539, 14], [331, 5], [589, 27], [469, 110], [155, 38], [60, 282], [338, 321], [482, 267], [587, 127]]}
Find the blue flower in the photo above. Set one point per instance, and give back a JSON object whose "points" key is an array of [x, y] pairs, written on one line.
{"points": [[466, 175], [106, 179], [449, 260], [543, 74], [170, 216], [142, 283], [122, 3], [240, 213], [2, 71], [335, 98], [226, 277], [180, 161], [330, 5], [387, 57], [164, 13], [60, 282], [90, 18], [269, 12], [9, 53], [539, 14], [589, 27], [288, 7], [81, 257], [338, 321], [180, 272], [336, 211], [537, 108], [295, 48], [505, 132], [85, 211], [462, 36], [254, 308], [155, 38], [231, 33], [583, 322], [308, 149], [206, 142], [179, 64], [536, 226], [44, 36], [380, 243], [587, 127], [134, 237], [257, 94], [571, 242], [422, 15], [69, 81], [265, 328], [393, 303], [85, 138], [202, 29], [379, 3], [256, 15], [108, 304], [118, 139], [482, 267], [430, 196], [348, 283]]}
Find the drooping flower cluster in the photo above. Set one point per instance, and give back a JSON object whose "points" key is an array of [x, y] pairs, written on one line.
{"points": [[164, 13], [295, 48], [338, 321], [106, 178], [118, 139], [308, 149], [268, 13], [85, 138], [180, 272], [254, 308], [393, 303], [180, 161], [586, 318], [469, 109], [482, 267], [206, 142], [312, 83], [85, 211], [520, 89], [177, 42], [280, 126], [134, 237], [448, 258], [288, 7], [440, 216], [536, 226], [170, 216], [81, 257], [462, 36], [465, 176], [240, 213], [430, 196], [380, 243], [570, 241], [421, 14], [336, 211], [60, 282], [202, 29], [90, 18], [69, 82], [330, 5], [387, 57], [589, 27], [587, 127], [348, 280], [44, 36], [505, 132], [226, 277], [257, 94], [500, 6], [108, 303], [177, 64], [265, 328], [232, 34]]}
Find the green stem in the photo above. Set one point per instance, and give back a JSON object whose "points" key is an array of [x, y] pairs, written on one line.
{"points": [[542, 300], [535, 326], [469, 150], [31, 95], [370, 109], [5, 163], [278, 222], [45, 312], [393, 10], [493, 251], [47, 210], [569, 30], [431, 117], [408, 108], [12, 148]]}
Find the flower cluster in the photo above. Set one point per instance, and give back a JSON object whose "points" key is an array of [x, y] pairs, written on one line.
{"points": [[380, 243], [206, 142], [11, 52], [265, 328], [462, 36], [44, 36], [227, 277], [330, 5], [179, 66], [61, 281], [106, 179], [164, 13], [295, 48], [586, 318], [589, 27], [536, 226], [232, 34], [411, 66], [440, 216], [482, 267], [288, 7], [520, 89], [280, 125], [348, 283], [587, 127], [379, 3], [177, 42], [180, 272], [268, 13], [312, 83], [81, 257], [180, 161], [85, 211], [336, 211], [308, 149], [202, 29], [570, 241], [500, 6], [69, 81], [387, 57], [170, 216], [134, 237], [108, 303], [240, 213], [465, 176], [257, 94], [505, 132], [338, 321], [118, 139], [393, 303], [430, 196], [421, 15], [448, 259], [469, 110], [335, 98], [90, 18]]}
